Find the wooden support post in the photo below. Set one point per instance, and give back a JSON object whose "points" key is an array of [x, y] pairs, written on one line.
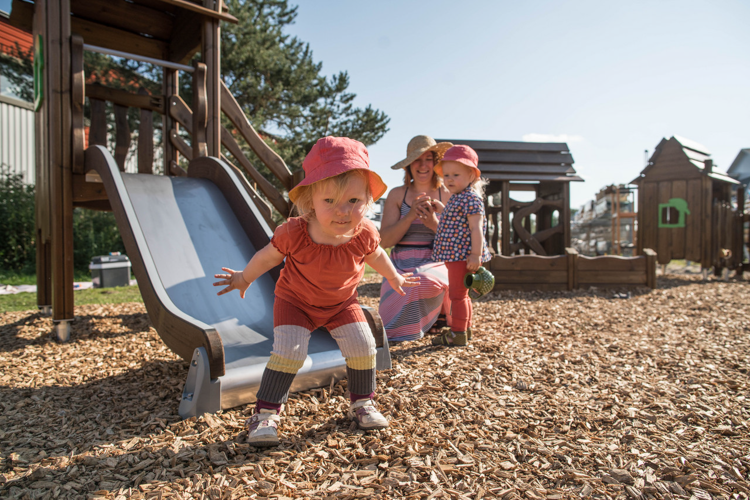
{"points": [[57, 59], [98, 129], [199, 111], [706, 223], [41, 158], [146, 139], [505, 224], [78, 94], [122, 136], [740, 230], [210, 49], [572, 261], [650, 267], [565, 214], [170, 87]]}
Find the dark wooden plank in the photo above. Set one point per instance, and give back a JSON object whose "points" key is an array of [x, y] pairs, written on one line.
{"points": [[198, 129], [650, 267], [122, 135], [185, 41], [520, 168], [611, 278], [530, 287], [572, 262], [220, 16], [137, 19], [181, 112], [179, 143], [525, 158], [98, 128], [268, 189], [706, 229], [501, 263], [272, 160], [499, 176], [78, 98], [505, 222], [613, 263], [525, 276], [113, 38], [170, 87], [124, 98], [87, 191], [211, 52], [22, 17], [145, 139], [176, 170], [664, 235], [564, 215], [679, 190], [510, 145], [648, 216]]}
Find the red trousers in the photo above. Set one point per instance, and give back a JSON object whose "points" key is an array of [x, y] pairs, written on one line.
{"points": [[459, 295]]}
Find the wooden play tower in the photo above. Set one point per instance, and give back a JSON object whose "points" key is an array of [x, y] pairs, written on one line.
{"points": [[167, 33]]}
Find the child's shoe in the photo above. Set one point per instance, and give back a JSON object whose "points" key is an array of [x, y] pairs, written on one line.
{"points": [[262, 429], [366, 415], [451, 338]]}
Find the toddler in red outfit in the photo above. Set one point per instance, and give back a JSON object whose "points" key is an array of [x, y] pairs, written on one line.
{"points": [[459, 240], [326, 249]]}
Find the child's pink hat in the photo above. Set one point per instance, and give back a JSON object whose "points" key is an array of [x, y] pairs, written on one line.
{"points": [[331, 156], [462, 154]]}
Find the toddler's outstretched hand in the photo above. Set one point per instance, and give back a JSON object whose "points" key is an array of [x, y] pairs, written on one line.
{"points": [[403, 280], [234, 281]]}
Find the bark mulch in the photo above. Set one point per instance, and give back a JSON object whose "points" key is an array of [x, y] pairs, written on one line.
{"points": [[586, 394]]}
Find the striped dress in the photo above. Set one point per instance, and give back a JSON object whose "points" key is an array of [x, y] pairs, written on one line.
{"points": [[409, 317]]}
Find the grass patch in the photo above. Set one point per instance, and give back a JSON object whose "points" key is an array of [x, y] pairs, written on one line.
{"points": [[16, 278], [118, 295]]}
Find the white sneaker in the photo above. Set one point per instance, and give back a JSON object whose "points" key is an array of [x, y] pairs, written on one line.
{"points": [[366, 415], [262, 428]]}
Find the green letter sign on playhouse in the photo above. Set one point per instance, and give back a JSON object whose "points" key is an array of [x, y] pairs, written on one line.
{"points": [[672, 214]]}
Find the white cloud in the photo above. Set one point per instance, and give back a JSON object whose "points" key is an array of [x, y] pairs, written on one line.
{"points": [[551, 138]]}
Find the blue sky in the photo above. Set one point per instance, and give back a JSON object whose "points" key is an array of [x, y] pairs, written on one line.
{"points": [[609, 78]]}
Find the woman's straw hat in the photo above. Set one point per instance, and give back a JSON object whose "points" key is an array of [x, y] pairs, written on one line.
{"points": [[332, 156], [418, 146]]}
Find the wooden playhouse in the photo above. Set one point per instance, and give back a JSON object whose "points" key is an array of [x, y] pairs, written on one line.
{"points": [[686, 209]]}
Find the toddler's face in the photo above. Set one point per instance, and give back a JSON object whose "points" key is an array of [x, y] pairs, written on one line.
{"points": [[340, 217], [457, 176]]}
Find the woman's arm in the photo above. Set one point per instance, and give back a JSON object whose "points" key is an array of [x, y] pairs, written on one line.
{"points": [[392, 226], [263, 261], [379, 261], [474, 260]]}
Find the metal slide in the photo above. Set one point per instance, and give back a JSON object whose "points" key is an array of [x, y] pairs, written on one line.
{"points": [[179, 232]]}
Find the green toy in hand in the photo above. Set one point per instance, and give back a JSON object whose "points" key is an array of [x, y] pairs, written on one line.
{"points": [[480, 283]]}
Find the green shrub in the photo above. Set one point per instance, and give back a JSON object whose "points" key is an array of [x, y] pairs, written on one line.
{"points": [[17, 230], [94, 232]]}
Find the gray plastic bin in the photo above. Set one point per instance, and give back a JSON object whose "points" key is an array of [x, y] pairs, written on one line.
{"points": [[110, 270]]}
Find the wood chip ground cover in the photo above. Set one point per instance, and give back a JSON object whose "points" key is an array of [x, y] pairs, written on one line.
{"points": [[561, 395]]}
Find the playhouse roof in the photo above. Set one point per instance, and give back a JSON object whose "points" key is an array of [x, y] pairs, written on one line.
{"points": [[523, 161], [740, 168], [679, 158]]}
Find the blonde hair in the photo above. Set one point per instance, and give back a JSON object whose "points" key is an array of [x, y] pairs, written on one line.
{"points": [[478, 185], [437, 181], [304, 203]]}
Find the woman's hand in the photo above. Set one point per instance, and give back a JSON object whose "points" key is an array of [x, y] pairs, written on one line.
{"points": [[403, 280], [473, 262], [234, 281], [418, 207]]}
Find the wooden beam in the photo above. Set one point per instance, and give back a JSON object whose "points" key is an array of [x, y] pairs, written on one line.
{"points": [[268, 189], [273, 161], [87, 191], [264, 208], [98, 128], [145, 139], [78, 99], [22, 17], [181, 112], [124, 98], [505, 224], [181, 145], [203, 11], [122, 135], [128, 16], [210, 50], [200, 113], [170, 87], [116, 39], [185, 40]]}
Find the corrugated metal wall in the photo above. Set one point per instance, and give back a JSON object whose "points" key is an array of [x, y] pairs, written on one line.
{"points": [[17, 138]]}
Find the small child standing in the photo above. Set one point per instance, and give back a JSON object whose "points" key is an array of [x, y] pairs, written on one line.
{"points": [[459, 240], [326, 249]]}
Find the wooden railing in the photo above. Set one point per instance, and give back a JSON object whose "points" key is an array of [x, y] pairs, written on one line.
{"points": [[521, 237], [571, 271]]}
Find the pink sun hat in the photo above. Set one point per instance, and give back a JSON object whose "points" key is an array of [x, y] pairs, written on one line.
{"points": [[462, 154], [332, 156]]}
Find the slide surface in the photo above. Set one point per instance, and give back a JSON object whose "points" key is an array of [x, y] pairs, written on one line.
{"points": [[179, 232]]}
